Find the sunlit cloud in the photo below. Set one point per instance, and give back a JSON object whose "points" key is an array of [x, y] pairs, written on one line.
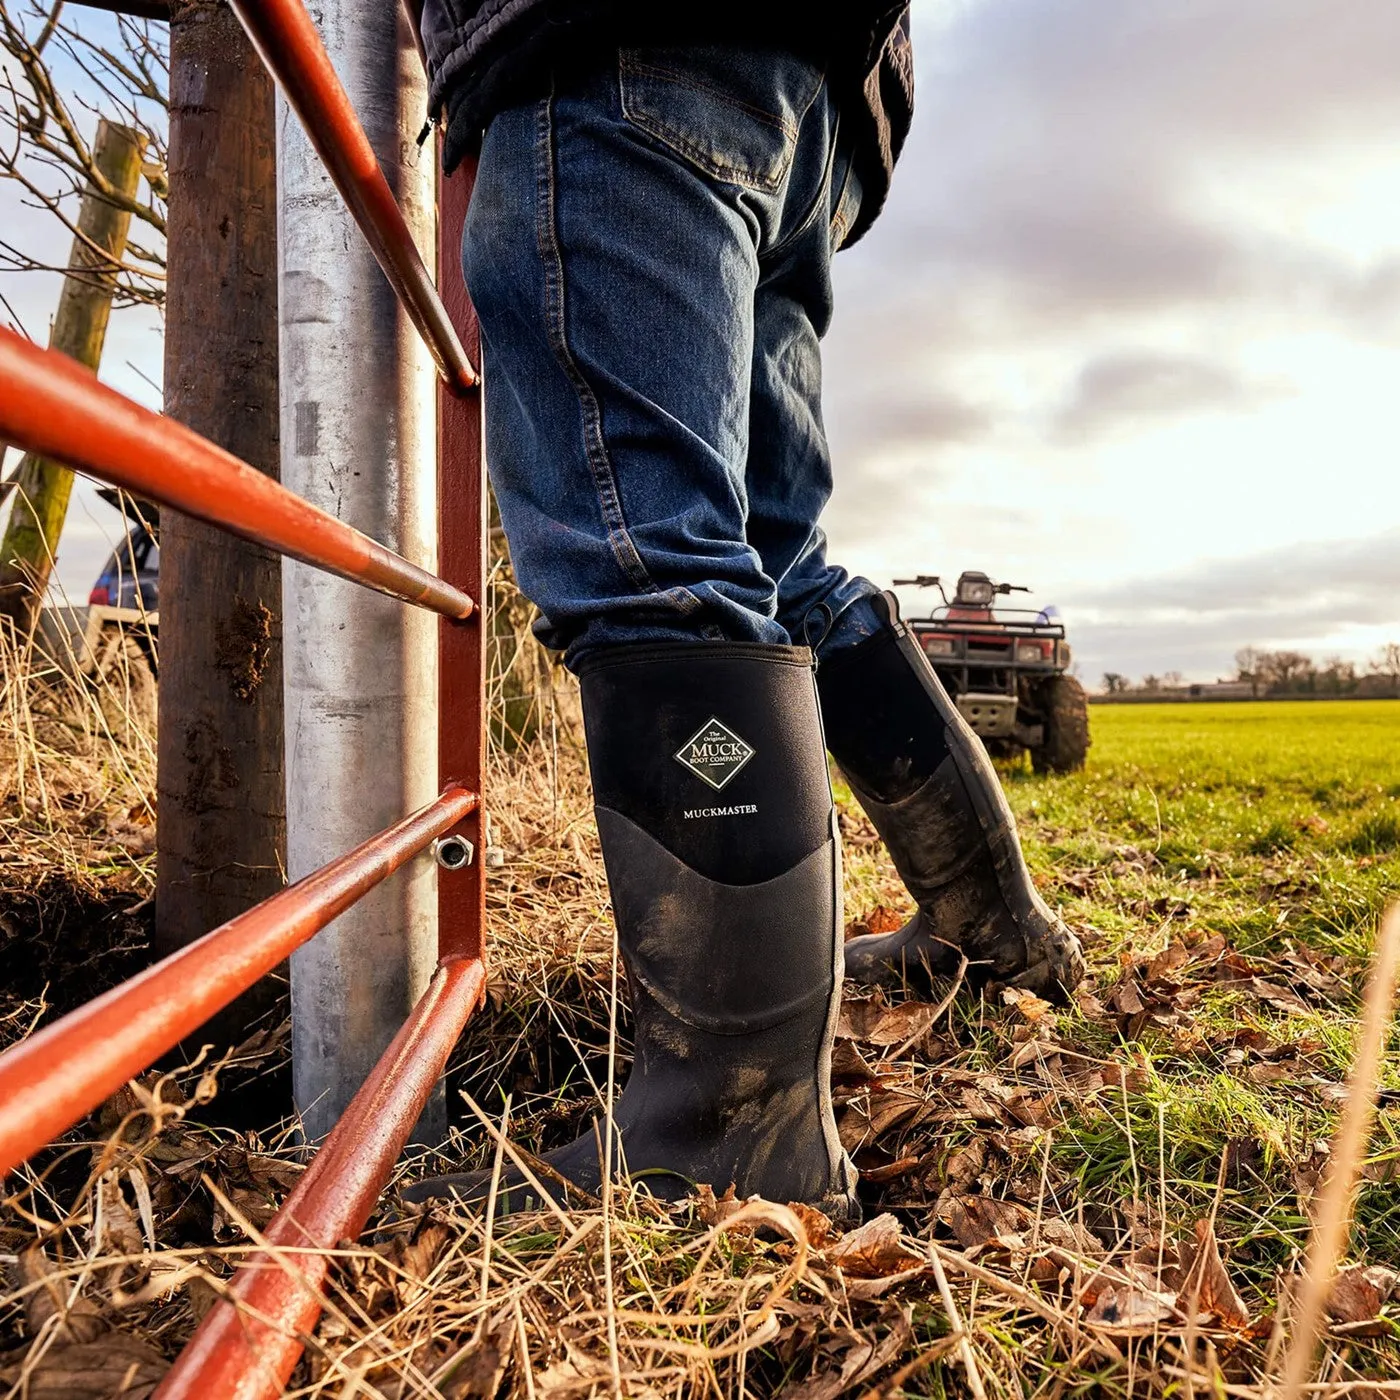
{"points": [[1150, 254]]}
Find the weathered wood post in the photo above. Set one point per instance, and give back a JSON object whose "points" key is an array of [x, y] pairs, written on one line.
{"points": [[222, 810], [41, 488]]}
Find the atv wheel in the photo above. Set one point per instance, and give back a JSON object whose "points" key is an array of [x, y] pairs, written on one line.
{"points": [[1066, 711]]}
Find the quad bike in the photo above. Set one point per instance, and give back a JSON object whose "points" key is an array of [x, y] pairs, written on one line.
{"points": [[1007, 671]]}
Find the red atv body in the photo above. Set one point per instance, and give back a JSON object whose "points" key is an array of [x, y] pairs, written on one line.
{"points": [[1007, 669]]}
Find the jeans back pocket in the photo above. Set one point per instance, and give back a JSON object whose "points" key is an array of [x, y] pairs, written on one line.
{"points": [[732, 113]]}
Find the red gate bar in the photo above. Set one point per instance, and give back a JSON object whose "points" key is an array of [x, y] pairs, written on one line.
{"points": [[246, 1348], [49, 1081], [53, 406], [462, 558], [286, 38]]}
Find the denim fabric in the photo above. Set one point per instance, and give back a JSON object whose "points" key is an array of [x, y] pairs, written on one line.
{"points": [[648, 250]]}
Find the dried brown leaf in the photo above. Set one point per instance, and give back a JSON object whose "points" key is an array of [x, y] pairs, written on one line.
{"points": [[1029, 1006], [874, 1250], [98, 1369], [1276, 994], [475, 1372], [1205, 1285], [1174, 956], [861, 1360], [79, 1319], [872, 1021], [978, 1221], [816, 1224], [1359, 1293], [1131, 1310], [1125, 1000], [849, 1066], [880, 919], [714, 1210]]}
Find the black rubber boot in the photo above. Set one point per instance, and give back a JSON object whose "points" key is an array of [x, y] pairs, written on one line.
{"points": [[931, 792], [715, 814]]}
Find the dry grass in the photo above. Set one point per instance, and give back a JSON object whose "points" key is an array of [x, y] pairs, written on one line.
{"points": [[77, 761], [1111, 1199], [77, 828]]}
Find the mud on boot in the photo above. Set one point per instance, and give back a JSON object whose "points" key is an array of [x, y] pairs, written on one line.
{"points": [[930, 790], [718, 833]]}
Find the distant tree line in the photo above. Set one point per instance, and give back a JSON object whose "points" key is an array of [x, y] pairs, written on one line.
{"points": [[1279, 673]]}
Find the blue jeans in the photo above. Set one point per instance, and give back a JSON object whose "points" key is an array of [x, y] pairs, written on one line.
{"points": [[649, 251]]}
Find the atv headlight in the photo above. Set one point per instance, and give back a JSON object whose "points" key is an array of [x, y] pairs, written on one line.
{"points": [[977, 593], [938, 646], [1030, 653]]}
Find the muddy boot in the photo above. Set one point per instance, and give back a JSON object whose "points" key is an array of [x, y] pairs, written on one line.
{"points": [[715, 815], [928, 786]]}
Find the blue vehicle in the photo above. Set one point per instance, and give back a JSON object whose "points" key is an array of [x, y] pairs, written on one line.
{"points": [[130, 579]]}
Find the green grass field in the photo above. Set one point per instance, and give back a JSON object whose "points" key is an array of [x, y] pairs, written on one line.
{"points": [[1273, 823], [1277, 826], [1226, 865]]}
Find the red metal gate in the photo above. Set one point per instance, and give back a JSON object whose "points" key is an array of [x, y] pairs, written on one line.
{"points": [[249, 1343]]}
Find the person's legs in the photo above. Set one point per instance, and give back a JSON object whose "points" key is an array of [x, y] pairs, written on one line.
{"points": [[920, 773], [614, 280], [612, 253], [788, 473]]}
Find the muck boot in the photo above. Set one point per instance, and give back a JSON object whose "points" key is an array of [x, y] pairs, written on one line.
{"points": [[931, 792], [716, 821]]}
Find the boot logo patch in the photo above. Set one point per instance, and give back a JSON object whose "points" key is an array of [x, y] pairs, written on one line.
{"points": [[715, 753]]}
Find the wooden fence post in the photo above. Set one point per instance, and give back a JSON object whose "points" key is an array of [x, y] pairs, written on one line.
{"points": [[222, 808], [41, 488]]}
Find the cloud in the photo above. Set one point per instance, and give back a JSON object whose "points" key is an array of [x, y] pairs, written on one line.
{"points": [[1353, 580], [1118, 390], [1134, 254], [1196, 618], [886, 422], [1064, 149]]}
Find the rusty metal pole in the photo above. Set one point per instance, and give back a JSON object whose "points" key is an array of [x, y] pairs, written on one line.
{"points": [[462, 546], [360, 672]]}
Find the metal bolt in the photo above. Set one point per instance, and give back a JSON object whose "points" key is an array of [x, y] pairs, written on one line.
{"points": [[453, 852]]}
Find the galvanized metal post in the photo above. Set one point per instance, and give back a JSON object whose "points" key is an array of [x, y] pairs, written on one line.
{"points": [[361, 671]]}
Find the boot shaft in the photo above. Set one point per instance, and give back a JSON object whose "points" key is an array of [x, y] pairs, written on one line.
{"points": [[715, 750], [718, 831]]}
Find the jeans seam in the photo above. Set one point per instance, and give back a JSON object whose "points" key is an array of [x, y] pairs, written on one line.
{"points": [[709, 161], [840, 225], [684, 80], [821, 202], [620, 540]]}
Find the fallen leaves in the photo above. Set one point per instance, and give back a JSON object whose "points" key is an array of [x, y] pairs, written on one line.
{"points": [[1204, 1282], [874, 1250], [854, 1358], [76, 1352], [1358, 1295], [873, 1021]]}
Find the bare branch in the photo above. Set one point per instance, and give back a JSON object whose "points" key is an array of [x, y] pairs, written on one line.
{"points": [[45, 145]]}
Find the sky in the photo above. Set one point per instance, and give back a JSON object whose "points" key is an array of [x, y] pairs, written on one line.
{"points": [[1129, 328], [1127, 332]]}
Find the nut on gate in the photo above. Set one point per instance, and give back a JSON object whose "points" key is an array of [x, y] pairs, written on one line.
{"points": [[453, 852]]}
